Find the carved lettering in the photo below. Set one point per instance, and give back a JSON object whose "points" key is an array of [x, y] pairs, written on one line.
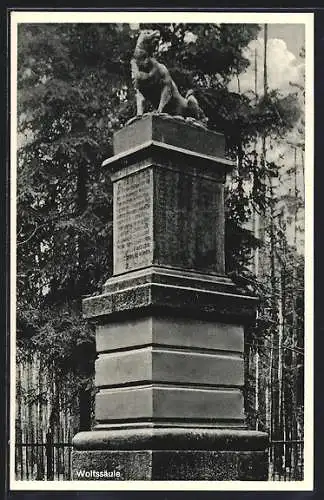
{"points": [[133, 221]]}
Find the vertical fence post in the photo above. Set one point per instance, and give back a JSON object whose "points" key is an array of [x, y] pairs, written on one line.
{"points": [[49, 456]]}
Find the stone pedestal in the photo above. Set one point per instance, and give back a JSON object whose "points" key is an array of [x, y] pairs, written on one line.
{"points": [[169, 323]]}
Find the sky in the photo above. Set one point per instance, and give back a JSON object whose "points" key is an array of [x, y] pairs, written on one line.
{"points": [[284, 64], [292, 34]]}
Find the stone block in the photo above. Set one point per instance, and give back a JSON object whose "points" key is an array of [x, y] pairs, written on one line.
{"points": [[123, 465], [197, 368], [133, 221], [154, 364], [124, 334], [187, 209], [209, 465], [167, 217], [120, 368], [174, 454], [155, 402], [181, 465], [197, 333], [171, 276], [169, 331], [236, 308], [167, 130], [167, 438]]}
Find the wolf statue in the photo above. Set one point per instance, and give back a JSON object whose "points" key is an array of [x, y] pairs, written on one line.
{"points": [[154, 83]]}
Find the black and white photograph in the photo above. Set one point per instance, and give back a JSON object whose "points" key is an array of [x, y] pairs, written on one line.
{"points": [[161, 251]]}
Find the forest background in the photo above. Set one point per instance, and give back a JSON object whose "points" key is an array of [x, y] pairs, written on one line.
{"points": [[74, 91]]}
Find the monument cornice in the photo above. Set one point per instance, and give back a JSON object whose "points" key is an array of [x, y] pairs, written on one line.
{"points": [[121, 159], [176, 293]]}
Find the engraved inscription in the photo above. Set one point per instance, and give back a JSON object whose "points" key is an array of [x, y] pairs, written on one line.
{"points": [[133, 221]]}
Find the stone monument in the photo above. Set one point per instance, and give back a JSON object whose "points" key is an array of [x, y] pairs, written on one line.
{"points": [[169, 323]]}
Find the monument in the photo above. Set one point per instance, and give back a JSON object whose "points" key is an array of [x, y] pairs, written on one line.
{"points": [[169, 322]]}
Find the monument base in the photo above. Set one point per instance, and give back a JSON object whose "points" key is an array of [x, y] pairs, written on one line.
{"points": [[171, 454]]}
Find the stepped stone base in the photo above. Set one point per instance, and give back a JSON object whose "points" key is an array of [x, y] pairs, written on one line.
{"points": [[172, 454]]}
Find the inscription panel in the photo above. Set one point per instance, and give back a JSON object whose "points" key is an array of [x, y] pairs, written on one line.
{"points": [[133, 221], [189, 221]]}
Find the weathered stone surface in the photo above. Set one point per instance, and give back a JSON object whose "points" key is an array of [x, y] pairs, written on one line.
{"points": [[187, 209], [235, 308], [169, 131], [174, 454], [193, 465], [125, 333], [132, 466], [169, 331], [253, 466], [209, 465], [198, 334], [197, 368], [161, 155], [178, 225], [133, 221], [167, 365], [120, 368], [173, 277], [168, 402], [180, 438]]}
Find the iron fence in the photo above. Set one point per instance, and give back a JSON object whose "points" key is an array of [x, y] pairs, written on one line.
{"points": [[53, 461], [43, 461]]}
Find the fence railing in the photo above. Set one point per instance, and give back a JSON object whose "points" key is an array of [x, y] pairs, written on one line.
{"points": [[286, 461], [43, 461], [53, 461]]}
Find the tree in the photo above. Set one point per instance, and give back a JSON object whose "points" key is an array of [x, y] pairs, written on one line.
{"points": [[64, 197], [275, 347]]}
